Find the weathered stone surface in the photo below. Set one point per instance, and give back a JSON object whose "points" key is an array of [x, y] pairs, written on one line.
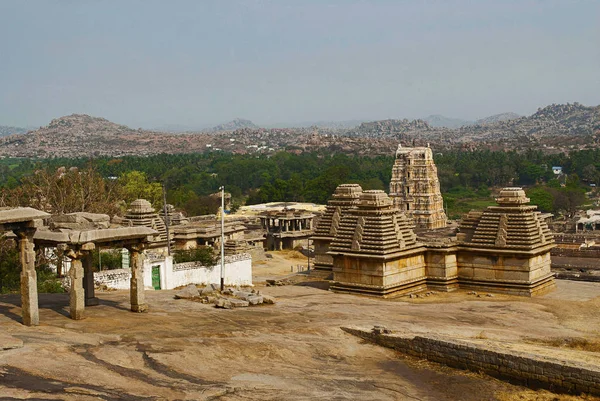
{"points": [[496, 360], [238, 303], [230, 303], [269, 299], [188, 292], [9, 342], [209, 289], [255, 299]]}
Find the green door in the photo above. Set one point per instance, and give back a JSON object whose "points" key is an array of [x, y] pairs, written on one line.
{"points": [[156, 277]]}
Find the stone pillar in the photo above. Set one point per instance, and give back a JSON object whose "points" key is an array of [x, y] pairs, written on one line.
{"points": [[88, 281], [77, 294], [29, 294], [59, 261], [137, 296]]}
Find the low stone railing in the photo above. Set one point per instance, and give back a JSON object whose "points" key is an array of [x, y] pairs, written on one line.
{"points": [[527, 368], [198, 265]]}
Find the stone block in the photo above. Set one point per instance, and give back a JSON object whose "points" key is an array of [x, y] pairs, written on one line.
{"points": [[268, 299], [255, 299], [188, 292]]}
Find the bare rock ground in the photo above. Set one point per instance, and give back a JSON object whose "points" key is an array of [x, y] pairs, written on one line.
{"points": [[293, 350]]}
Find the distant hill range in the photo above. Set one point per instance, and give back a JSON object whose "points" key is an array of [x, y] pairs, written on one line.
{"points": [[497, 118], [6, 130], [440, 121], [436, 120], [554, 128], [237, 123]]}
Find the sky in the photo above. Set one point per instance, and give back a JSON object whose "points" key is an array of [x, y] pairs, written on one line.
{"points": [[196, 63]]}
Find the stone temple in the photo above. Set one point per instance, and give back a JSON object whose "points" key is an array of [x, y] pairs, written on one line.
{"points": [[374, 244], [415, 188], [346, 196], [504, 249]]}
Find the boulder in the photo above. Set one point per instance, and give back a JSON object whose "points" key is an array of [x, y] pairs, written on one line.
{"points": [[255, 299], [223, 303], [268, 299], [209, 289], [238, 303], [188, 292], [230, 303]]}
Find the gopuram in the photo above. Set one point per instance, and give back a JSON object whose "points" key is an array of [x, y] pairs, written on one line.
{"points": [[415, 188]]}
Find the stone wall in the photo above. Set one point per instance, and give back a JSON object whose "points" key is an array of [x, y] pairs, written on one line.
{"points": [[238, 271], [528, 369], [117, 279]]}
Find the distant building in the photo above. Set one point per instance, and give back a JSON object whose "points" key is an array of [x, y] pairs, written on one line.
{"points": [[557, 170], [287, 229]]}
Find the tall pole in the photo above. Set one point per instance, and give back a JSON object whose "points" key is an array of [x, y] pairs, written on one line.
{"points": [[164, 191], [222, 237], [308, 252]]}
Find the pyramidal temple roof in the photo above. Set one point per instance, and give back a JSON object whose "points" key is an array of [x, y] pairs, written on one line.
{"points": [[346, 196], [374, 227], [513, 224]]}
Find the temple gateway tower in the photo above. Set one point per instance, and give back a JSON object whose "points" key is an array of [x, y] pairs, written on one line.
{"points": [[415, 188]]}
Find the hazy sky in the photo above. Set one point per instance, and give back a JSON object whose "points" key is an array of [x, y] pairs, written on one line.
{"points": [[147, 63]]}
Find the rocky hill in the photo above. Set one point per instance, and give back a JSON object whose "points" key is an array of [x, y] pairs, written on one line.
{"points": [[6, 130], [496, 118], [436, 120], [555, 128], [82, 135], [233, 125]]}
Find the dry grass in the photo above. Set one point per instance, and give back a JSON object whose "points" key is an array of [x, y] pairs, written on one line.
{"points": [[482, 336], [291, 254], [542, 395], [580, 344]]}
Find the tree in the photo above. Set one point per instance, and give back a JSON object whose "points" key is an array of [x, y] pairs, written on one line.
{"points": [[541, 197], [64, 191], [590, 174], [135, 185]]}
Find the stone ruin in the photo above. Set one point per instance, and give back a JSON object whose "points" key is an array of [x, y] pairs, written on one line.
{"points": [[76, 235], [374, 251], [415, 188]]}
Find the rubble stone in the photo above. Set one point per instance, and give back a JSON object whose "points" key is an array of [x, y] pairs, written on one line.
{"points": [[188, 292]]}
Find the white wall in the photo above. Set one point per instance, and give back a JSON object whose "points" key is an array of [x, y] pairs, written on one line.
{"points": [[238, 271]]}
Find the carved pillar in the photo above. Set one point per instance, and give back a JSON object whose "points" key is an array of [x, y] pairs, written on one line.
{"points": [[137, 296], [29, 294], [77, 294], [88, 281], [59, 261]]}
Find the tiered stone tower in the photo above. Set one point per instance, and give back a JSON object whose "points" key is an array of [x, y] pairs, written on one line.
{"points": [[346, 196], [141, 213], [415, 188], [506, 248], [375, 250]]}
